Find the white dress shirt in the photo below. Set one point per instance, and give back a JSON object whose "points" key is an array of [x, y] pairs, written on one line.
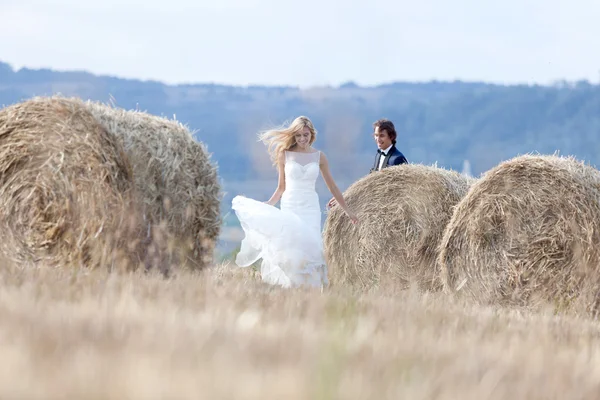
{"points": [[382, 157]]}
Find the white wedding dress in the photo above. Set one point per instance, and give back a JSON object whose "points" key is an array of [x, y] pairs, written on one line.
{"points": [[289, 239]]}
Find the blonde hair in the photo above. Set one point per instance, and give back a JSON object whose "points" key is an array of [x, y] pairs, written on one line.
{"points": [[281, 139]]}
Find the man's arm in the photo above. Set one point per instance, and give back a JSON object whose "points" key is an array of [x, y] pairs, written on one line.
{"points": [[400, 160]]}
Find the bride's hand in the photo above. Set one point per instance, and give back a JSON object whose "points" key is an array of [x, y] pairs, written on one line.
{"points": [[352, 217]]}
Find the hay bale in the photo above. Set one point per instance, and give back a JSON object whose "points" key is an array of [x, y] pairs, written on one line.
{"points": [[174, 176], [403, 211], [65, 186], [527, 234]]}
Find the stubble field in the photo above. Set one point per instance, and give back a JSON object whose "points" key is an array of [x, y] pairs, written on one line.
{"points": [[222, 334]]}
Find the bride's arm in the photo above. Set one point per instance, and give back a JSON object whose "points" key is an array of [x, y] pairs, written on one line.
{"points": [[337, 194], [280, 182]]}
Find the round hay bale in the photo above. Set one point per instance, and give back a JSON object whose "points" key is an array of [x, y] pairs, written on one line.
{"points": [[527, 234], [402, 212], [176, 180], [65, 185]]}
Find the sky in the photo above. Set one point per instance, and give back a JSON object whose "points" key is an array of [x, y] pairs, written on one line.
{"points": [[307, 43]]}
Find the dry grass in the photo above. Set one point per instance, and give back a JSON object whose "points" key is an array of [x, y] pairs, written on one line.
{"points": [[65, 186], [69, 334], [175, 178], [527, 232], [403, 212]]}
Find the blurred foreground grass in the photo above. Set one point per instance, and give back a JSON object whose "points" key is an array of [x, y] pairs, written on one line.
{"points": [[222, 334]]}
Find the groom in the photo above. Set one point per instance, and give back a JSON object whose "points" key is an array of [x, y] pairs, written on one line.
{"points": [[387, 154]]}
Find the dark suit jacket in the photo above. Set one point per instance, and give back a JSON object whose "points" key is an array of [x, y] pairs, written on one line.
{"points": [[394, 157]]}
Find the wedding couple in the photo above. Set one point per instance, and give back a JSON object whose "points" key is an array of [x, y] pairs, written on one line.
{"points": [[289, 238]]}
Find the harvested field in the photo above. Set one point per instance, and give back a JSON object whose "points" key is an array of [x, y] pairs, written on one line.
{"points": [[220, 334]]}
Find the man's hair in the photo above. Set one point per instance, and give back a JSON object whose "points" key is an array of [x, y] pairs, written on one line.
{"points": [[387, 125]]}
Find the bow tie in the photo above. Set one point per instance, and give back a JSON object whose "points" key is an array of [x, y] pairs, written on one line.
{"points": [[381, 152]]}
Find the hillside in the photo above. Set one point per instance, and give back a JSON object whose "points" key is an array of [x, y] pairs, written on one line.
{"points": [[438, 121]]}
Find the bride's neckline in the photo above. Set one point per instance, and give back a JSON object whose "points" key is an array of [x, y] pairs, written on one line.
{"points": [[303, 152]]}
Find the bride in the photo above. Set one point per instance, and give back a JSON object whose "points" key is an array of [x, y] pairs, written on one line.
{"points": [[288, 239]]}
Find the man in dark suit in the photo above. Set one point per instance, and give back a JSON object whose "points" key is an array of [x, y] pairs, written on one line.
{"points": [[387, 153]]}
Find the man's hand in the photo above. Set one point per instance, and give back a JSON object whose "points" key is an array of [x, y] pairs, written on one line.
{"points": [[331, 203]]}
